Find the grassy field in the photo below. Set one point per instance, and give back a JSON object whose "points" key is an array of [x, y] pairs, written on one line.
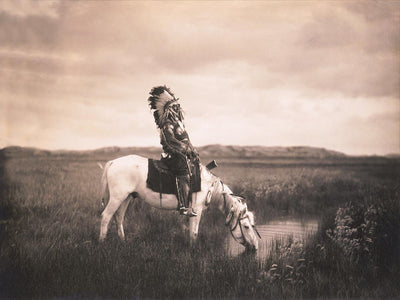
{"points": [[49, 218]]}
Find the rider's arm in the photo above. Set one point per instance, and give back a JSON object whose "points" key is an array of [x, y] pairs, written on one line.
{"points": [[193, 150], [173, 143]]}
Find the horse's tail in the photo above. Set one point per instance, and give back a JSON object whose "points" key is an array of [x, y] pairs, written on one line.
{"points": [[105, 192]]}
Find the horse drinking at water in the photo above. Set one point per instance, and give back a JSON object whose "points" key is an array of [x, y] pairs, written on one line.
{"points": [[125, 178]]}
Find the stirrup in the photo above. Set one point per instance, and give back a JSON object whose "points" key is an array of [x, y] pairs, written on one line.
{"points": [[183, 210]]}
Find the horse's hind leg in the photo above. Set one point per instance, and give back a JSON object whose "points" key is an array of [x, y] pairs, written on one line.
{"points": [[106, 216], [119, 216]]}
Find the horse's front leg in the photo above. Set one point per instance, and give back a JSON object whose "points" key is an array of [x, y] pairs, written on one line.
{"points": [[194, 223]]}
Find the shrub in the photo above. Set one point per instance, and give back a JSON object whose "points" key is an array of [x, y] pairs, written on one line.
{"points": [[367, 230]]}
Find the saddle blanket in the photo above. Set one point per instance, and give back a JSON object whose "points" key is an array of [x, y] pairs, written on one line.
{"points": [[161, 180]]}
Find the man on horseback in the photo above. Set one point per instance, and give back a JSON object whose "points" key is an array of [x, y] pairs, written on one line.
{"points": [[179, 153]]}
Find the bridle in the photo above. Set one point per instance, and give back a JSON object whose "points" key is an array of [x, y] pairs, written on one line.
{"points": [[242, 216]]}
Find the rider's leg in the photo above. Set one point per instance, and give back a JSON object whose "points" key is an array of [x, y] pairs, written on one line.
{"points": [[180, 168], [183, 190], [183, 194]]}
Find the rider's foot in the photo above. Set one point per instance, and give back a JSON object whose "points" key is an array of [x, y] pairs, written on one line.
{"points": [[190, 212]]}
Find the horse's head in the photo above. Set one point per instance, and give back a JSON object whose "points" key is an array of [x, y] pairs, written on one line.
{"points": [[241, 223]]}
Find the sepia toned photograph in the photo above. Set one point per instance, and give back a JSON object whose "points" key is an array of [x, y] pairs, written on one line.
{"points": [[199, 149]]}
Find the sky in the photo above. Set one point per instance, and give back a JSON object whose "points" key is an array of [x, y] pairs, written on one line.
{"points": [[77, 74]]}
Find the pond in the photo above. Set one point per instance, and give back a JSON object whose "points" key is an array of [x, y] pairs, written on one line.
{"points": [[282, 230]]}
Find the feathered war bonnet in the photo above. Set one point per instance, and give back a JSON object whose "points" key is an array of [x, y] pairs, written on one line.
{"points": [[160, 102]]}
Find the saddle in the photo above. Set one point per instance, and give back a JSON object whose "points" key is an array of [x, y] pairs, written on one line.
{"points": [[161, 180]]}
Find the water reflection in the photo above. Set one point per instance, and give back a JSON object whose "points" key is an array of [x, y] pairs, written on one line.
{"points": [[295, 230]]}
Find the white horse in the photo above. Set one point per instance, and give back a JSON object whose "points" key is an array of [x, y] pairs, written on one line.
{"points": [[126, 176]]}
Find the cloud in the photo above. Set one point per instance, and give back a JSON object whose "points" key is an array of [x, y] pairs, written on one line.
{"points": [[272, 72], [27, 8], [318, 47], [30, 32]]}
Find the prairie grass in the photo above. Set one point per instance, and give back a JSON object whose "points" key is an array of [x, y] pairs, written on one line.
{"points": [[49, 218]]}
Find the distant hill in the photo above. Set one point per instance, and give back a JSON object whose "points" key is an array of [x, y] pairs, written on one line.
{"points": [[393, 155], [268, 152], [206, 151], [251, 156], [216, 151], [16, 151]]}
